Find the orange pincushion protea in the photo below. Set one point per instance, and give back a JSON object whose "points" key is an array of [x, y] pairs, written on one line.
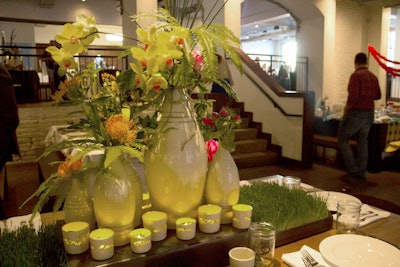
{"points": [[66, 168], [119, 128]]}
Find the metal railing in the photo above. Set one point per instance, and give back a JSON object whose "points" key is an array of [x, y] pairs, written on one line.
{"points": [[298, 70], [31, 58]]}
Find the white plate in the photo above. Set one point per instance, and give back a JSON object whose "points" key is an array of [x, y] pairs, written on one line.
{"points": [[347, 250], [333, 197]]}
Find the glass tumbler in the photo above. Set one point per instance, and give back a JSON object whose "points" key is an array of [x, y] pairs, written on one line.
{"points": [[262, 241], [348, 216]]}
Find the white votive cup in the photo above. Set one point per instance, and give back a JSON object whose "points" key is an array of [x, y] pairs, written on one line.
{"points": [[241, 257], [75, 237], [185, 228], [241, 218], [101, 244], [156, 222], [140, 240], [209, 218]]}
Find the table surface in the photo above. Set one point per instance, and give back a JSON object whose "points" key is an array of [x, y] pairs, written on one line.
{"points": [[387, 229]]}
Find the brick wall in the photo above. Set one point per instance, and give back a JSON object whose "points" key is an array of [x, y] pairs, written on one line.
{"points": [[35, 122]]}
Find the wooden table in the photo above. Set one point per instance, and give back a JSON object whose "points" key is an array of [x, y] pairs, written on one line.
{"points": [[387, 229]]}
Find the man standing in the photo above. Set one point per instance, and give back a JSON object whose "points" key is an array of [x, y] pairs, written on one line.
{"points": [[9, 119], [363, 89]]}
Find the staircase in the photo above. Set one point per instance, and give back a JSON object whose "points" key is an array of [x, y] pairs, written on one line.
{"points": [[253, 147]]}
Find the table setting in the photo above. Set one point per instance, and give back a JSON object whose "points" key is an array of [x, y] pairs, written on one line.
{"points": [[351, 246]]}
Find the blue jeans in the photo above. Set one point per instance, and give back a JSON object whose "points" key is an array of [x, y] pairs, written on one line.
{"points": [[355, 124]]}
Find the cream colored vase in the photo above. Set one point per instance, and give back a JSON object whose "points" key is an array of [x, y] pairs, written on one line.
{"points": [[176, 163], [222, 186], [78, 205], [117, 199]]}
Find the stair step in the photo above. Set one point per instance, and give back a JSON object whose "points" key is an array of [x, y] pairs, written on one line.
{"points": [[245, 133], [250, 145], [245, 123], [255, 159], [236, 110]]}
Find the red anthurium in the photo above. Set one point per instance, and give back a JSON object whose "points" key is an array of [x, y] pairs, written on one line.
{"points": [[212, 148]]}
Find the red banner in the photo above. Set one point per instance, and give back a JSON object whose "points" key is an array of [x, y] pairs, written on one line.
{"points": [[378, 57]]}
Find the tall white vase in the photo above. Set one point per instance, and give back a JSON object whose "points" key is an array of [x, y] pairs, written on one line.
{"points": [[176, 163]]}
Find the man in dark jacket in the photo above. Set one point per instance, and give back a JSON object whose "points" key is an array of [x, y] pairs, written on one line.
{"points": [[9, 119]]}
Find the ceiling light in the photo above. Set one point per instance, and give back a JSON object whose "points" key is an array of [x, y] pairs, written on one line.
{"points": [[256, 26]]}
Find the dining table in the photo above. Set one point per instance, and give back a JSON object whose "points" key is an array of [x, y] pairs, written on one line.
{"points": [[381, 133], [212, 249]]}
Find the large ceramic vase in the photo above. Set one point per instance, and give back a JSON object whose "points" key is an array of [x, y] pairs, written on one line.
{"points": [[78, 205], [223, 183], [176, 163], [117, 199]]}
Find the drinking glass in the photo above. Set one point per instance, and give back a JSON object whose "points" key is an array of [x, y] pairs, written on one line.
{"points": [[348, 216], [262, 241]]}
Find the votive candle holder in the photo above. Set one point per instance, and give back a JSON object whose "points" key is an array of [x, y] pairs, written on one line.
{"points": [[75, 237], [209, 217], [185, 228], [101, 243], [241, 218], [156, 222], [140, 240]]}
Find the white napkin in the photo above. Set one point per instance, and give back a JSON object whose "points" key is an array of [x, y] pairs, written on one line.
{"points": [[294, 258], [16, 222], [370, 214]]}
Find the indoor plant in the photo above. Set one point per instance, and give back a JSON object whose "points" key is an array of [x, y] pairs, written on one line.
{"points": [[222, 185]]}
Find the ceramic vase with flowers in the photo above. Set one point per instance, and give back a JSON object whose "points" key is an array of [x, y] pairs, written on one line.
{"points": [[176, 163], [222, 186], [174, 61]]}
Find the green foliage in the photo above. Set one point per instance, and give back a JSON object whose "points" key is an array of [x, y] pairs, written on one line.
{"points": [[282, 207], [219, 126], [25, 247]]}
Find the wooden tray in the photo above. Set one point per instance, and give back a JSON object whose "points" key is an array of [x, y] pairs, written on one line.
{"points": [[204, 250]]}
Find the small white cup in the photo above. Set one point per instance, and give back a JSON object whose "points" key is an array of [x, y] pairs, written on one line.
{"points": [[101, 244], [140, 240], [241, 218], [185, 228], [75, 237], [156, 222], [241, 257], [209, 218]]}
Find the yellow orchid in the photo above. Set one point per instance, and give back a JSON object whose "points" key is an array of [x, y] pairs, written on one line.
{"points": [[156, 82], [140, 78], [77, 36], [63, 58]]}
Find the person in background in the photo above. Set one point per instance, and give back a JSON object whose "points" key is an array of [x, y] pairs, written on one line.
{"points": [[224, 73], [283, 77], [363, 88], [9, 119]]}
